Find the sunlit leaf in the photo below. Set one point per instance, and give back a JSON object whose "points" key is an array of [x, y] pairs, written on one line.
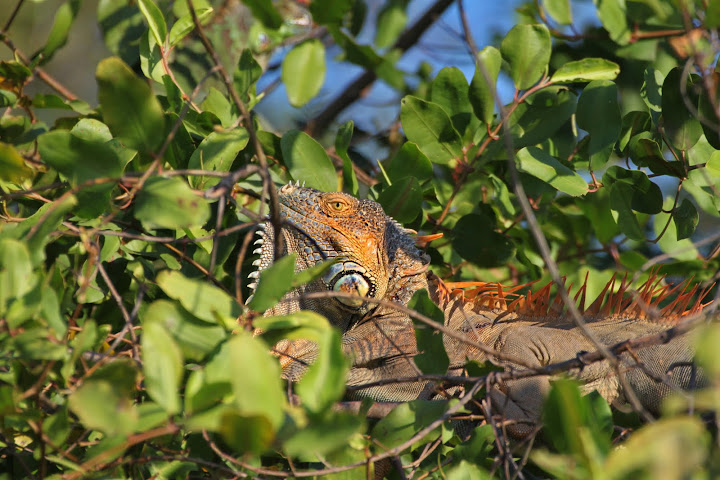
{"points": [[274, 282], [154, 18], [547, 168], [162, 365], [308, 162], [12, 165], [427, 125], [170, 203], [586, 70], [482, 87], [526, 48], [432, 358], [303, 71], [129, 108]]}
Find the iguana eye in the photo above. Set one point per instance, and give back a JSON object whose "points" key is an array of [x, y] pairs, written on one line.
{"points": [[337, 204], [352, 283]]}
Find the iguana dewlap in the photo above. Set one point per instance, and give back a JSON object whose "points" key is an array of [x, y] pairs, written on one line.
{"points": [[377, 258]]}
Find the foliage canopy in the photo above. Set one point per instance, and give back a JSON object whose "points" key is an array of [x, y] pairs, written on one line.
{"points": [[126, 227]]}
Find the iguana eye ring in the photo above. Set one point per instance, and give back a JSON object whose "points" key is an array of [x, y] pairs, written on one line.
{"points": [[352, 283]]}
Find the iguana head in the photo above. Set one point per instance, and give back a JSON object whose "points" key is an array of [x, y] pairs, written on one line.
{"points": [[372, 252]]}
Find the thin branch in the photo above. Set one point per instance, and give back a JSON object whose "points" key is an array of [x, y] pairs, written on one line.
{"points": [[224, 188], [12, 16]]}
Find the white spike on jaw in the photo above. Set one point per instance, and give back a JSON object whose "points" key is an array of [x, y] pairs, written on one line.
{"points": [[259, 241], [257, 251], [256, 263], [297, 183], [254, 274], [303, 184], [252, 285]]}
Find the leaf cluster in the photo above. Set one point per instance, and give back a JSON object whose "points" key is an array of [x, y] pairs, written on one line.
{"points": [[127, 344]]}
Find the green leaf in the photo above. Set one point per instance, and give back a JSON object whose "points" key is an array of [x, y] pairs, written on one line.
{"points": [[12, 165], [682, 440], [482, 88], [64, 18], [247, 73], [104, 401], [621, 198], [80, 160], [708, 117], [327, 435], [54, 101], [686, 219], [475, 239], [596, 208], [559, 10], [217, 152], [265, 12], [170, 203], [303, 324], [646, 196], [329, 12], [527, 49], [217, 103], [406, 420], [324, 382], [129, 108], [427, 125], [16, 273], [669, 242], [258, 390], [613, 16], [450, 91], [402, 200], [586, 70], [185, 25], [14, 75], [154, 18], [92, 130], [409, 161], [651, 92], [645, 152], [432, 358], [598, 113], [274, 282], [464, 470], [681, 125], [342, 143], [162, 366], [45, 221], [246, 433], [391, 22], [547, 168], [303, 71], [548, 113], [308, 162], [206, 302], [151, 58], [580, 425], [195, 338]]}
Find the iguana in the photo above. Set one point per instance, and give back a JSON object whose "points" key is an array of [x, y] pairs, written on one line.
{"points": [[377, 258]]}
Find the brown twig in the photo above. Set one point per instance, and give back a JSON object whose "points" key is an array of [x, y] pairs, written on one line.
{"points": [[224, 188]]}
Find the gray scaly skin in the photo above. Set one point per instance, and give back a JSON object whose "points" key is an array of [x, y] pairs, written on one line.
{"points": [[379, 259]]}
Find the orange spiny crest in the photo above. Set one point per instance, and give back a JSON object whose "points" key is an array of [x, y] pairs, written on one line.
{"points": [[616, 298]]}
